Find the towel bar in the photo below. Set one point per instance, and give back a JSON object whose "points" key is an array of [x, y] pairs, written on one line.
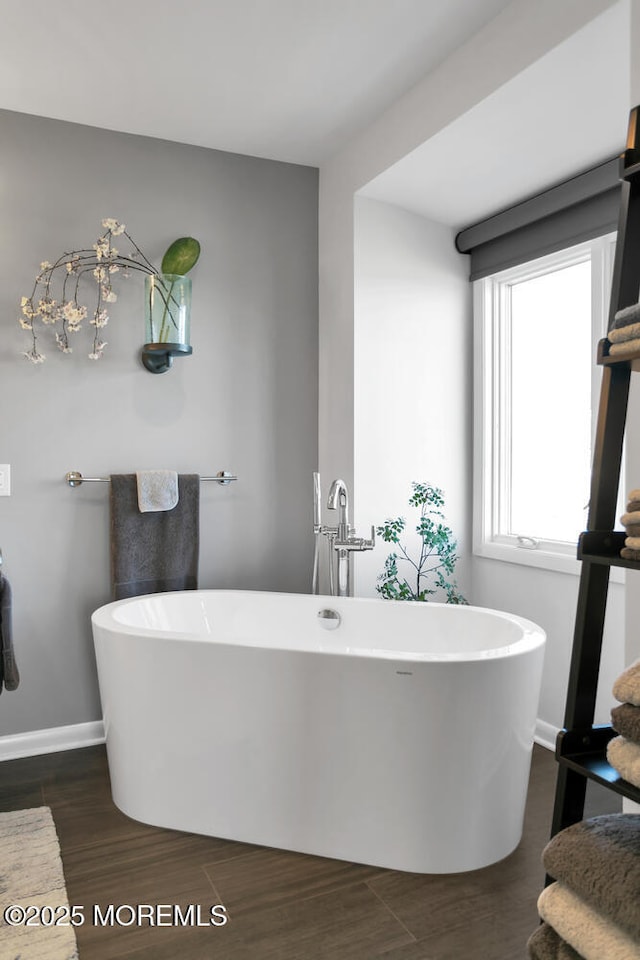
{"points": [[74, 478]]}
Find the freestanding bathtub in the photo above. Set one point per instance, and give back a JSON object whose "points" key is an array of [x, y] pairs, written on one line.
{"points": [[396, 734]]}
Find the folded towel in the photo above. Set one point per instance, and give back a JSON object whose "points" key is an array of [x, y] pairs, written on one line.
{"points": [[545, 944], [592, 935], [627, 315], [624, 756], [158, 551], [633, 542], [627, 553], [631, 516], [157, 490], [628, 332], [625, 720], [633, 505], [599, 859], [632, 529], [627, 346], [626, 689], [8, 668]]}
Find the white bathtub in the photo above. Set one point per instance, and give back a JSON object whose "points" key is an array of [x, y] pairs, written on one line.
{"points": [[400, 739]]}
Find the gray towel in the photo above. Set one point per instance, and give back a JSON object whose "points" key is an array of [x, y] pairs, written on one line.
{"points": [[8, 667], [626, 315], [599, 859], [546, 944], [625, 720], [628, 553], [153, 552]]}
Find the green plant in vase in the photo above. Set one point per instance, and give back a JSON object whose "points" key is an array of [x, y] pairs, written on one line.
{"points": [[168, 293], [430, 572]]}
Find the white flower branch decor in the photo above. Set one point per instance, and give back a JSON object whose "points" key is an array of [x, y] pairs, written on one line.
{"points": [[54, 300]]}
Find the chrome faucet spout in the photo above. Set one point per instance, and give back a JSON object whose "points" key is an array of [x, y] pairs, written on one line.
{"points": [[339, 500]]}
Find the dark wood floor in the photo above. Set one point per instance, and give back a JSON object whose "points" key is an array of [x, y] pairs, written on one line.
{"points": [[281, 906]]}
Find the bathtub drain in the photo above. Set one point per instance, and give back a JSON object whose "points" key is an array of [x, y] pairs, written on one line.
{"points": [[329, 619]]}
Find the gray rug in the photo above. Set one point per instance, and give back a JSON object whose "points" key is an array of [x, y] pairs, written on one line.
{"points": [[31, 875]]}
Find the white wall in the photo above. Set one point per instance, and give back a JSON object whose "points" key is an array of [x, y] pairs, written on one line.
{"points": [[517, 37], [412, 376], [549, 598], [512, 41], [412, 413]]}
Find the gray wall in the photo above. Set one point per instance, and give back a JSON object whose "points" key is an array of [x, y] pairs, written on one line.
{"points": [[246, 401]]}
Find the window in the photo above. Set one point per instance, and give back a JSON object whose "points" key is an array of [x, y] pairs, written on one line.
{"points": [[536, 330]]}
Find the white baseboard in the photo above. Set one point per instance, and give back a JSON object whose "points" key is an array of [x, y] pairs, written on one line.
{"points": [[35, 742], [545, 734]]}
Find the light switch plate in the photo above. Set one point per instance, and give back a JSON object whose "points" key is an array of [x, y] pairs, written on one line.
{"points": [[5, 480]]}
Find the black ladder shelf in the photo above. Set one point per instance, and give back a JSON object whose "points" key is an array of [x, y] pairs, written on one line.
{"points": [[581, 746]]}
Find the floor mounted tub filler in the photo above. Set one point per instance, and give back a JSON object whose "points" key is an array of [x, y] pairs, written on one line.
{"points": [[379, 732]]}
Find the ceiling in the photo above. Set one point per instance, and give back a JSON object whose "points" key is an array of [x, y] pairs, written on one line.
{"points": [[564, 114], [285, 79], [294, 80]]}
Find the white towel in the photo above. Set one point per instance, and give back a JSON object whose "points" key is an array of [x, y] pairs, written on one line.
{"points": [[626, 689], [627, 346], [620, 334], [587, 931], [157, 490], [624, 756]]}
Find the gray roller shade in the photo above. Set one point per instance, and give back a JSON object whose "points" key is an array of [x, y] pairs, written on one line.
{"points": [[579, 209]]}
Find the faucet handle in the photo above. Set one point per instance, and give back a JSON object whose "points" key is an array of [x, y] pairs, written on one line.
{"points": [[370, 544], [357, 543]]}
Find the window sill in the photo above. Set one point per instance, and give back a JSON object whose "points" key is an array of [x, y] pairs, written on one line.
{"points": [[542, 559]]}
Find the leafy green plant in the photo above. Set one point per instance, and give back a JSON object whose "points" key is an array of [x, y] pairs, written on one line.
{"points": [[436, 562]]}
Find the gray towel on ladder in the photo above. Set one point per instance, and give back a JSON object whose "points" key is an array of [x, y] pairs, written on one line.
{"points": [[8, 668], [158, 551]]}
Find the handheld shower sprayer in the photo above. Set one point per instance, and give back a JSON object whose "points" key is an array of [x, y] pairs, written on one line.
{"points": [[317, 529], [317, 517]]}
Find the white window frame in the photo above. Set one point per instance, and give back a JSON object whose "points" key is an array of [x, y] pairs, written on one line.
{"points": [[492, 370]]}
